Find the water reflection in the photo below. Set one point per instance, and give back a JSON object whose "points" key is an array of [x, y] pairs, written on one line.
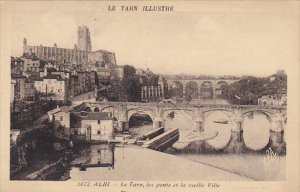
{"points": [[219, 121], [96, 156], [112, 162], [256, 128]]}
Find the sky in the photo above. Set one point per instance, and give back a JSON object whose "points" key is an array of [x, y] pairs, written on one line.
{"points": [[227, 38]]}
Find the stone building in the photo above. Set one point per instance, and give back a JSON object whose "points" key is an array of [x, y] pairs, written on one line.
{"points": [[84, 39], [20, 88], [273, 100], [102, 58], [31, 63], [13, 83], [62, 55], [151, 93], [94, 126], [53, 87], [16, 66], [30, 92], [81, 54]]}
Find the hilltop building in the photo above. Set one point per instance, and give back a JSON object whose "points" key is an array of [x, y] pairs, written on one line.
{"points": [[80, 54]]}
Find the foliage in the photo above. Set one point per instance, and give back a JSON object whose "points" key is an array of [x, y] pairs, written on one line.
{"points": [[249, 89], [114, 92], [130, 85], [127, 89]]}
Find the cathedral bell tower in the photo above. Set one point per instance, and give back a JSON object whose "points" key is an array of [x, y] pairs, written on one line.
{"points": [[24, 45], [84, 39]]}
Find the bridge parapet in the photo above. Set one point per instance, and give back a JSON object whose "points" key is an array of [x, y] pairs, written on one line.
{"points": [[156, 104]]}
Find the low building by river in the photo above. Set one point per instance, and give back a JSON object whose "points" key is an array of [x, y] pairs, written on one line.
{"points": [[92, 126]]}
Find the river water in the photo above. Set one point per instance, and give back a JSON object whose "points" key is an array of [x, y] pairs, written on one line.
{"points": [[117, 162], [256, 126]]}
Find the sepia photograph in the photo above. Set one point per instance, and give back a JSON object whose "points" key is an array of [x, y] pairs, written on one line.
{"points": [[187, 95]]}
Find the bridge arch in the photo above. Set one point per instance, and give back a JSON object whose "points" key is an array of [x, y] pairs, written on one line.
{"points": [[256, 125], [140, 110], [113, 110], [222, 90], [176, 89], [230, 113], [166, 112], [107, 107], [88, 109], [219, 120], [191, 90], [267, 113], [181, 118], [207, 90], [135, 112]]}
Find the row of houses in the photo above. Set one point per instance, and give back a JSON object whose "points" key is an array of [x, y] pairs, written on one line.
{"points": [[273, 100], [57, 85], [57, 81]]}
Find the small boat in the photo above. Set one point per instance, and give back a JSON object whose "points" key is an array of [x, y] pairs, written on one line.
{"points": [[222, 121]]}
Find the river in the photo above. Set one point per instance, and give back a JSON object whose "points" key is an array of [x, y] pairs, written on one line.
{"points": [[120, 162], [256, 126]]}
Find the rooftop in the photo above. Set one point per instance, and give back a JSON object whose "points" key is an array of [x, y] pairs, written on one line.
{"points": [[16, 59], [93, 115], [53, 76]]}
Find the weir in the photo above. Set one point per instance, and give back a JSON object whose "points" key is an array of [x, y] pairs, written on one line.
{"points": [[163, 141]]}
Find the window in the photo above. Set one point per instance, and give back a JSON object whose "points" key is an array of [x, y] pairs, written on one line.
{"points": [[98, 121], [61, 118], [98, 132]]}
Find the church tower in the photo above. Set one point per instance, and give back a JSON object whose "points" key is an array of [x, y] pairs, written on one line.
{"points": [[84, 39], [24, 45]]}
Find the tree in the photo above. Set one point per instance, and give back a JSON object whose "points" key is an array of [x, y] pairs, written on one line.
{"points": [[114, 92], [129, 89], [249, 89]]}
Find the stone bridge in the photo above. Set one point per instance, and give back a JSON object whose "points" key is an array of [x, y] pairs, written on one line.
{"points": [[158, 112], [197, 84]]}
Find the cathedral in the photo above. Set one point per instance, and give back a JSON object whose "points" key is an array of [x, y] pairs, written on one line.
{"points": [[81, 53]]}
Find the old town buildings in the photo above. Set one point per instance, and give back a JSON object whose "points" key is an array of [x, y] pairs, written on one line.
{"points": [[60, 74], [273, 100], [53, 87], [16, 65]]}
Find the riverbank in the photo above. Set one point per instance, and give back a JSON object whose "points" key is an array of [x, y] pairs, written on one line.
{"points": [[131, 162]]}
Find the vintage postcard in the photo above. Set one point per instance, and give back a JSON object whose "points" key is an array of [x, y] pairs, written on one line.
{"points": [[150, 96]]}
